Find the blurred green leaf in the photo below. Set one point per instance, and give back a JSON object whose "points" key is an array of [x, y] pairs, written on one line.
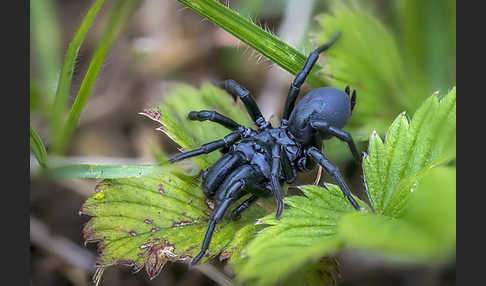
{"points": [[172, 114], [367, 58], [37, 147], [304, 234], [144, 222], [426, 232], [58, 112], [116, 21], [428, 38]]}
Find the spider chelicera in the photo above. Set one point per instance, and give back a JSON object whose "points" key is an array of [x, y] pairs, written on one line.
{"points": [[266, 158]]}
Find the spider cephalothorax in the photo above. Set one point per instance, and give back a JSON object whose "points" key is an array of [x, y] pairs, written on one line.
{"points": [[260, 161]]}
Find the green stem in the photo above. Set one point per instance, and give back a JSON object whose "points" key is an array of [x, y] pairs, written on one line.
{"points": [[86, 171], [244, 29], [37, 147]]}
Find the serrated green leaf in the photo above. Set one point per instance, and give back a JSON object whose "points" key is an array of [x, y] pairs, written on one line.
{"points": [[304, 233], [144, 222], [393, 168], [172, 114], [425, 232]]}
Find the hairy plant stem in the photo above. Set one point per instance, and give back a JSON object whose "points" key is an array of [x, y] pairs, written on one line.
{"points": [[248, 32]]}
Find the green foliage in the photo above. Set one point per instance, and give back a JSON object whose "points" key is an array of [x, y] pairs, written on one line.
{"points": [[392, 168], [303, 234], [425, 232], [87, 171], [65, 77], [428, 35], [164, 214], [144, 216], [144, 222], [324, 222], [387, 71], [171, 202], [119, 16], [172, 114], [414, 203]]}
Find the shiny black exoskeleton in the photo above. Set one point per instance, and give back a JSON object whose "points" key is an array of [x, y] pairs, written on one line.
{"points": [[266, 158]]}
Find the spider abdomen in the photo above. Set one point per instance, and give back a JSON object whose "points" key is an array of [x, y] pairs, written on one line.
{"points": [[328, 104]]}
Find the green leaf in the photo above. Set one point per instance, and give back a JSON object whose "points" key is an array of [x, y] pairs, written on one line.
{"points": [[413, 198], [392, 169], [144, 222], [65, 77], [426, 232], [304, 234], [244, 29], [428, 36], [172, 114], [37, 147], [119, 16]]}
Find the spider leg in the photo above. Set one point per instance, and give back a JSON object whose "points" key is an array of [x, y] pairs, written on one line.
{"points": [[319, 158], [216, 117], [289, 172], [236, 90], [342, 135], [209, 147], [301, 76], [232, 189], [236, 213], [214, 176], [274, 179], [218, 214]]}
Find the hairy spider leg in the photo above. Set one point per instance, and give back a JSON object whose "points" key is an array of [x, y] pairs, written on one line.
{"points": [[232, 189], [274, 179], [301, 76], [209, 147], [236, 213], [319, 158], [216, 117], [236, 90], [342, 135]]}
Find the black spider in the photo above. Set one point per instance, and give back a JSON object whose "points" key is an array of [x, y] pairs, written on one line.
{"points": [[266, 158]]}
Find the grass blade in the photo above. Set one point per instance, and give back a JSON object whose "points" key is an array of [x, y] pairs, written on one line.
{"points": [[37, 147], [65, 77], [118, 18], [244, 29]]}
